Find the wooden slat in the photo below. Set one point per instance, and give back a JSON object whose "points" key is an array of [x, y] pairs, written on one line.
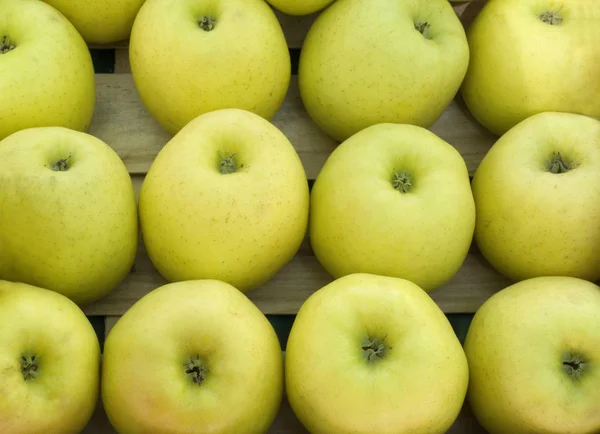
{"points": [[285, 423], [124, 123]]}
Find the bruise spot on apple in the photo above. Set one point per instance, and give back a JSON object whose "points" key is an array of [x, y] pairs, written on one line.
{"points": [[6, 45]]}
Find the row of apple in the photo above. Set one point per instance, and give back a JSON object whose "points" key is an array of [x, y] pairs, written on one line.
{"points": [[227, 198], [207, 56], [366, 354]]}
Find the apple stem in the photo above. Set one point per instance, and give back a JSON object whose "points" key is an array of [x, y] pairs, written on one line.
{"points": [[227, 164], [402, 181], [551, 17], [574, 365], [373, 349], [195, 369], [6, 45], [558, 164], [422, 27], [61, 165], [29, 367], [207, 23]]}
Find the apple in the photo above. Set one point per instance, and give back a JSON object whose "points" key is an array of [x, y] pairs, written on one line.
{"points": [[299, 7], [533, 351], [529, 57], [225, 199], [193, 356], [46, 69], [49, 362], [374, 354], [387, 61], [68, 219], [537, 200], [393, 200], [100, 21], [191, 57]]}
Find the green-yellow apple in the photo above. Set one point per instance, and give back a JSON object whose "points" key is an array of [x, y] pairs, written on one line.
{"points": [[100, 21], [393, 200], [299, 7], [374, 354], [192, 357], [49, 362], [534, 353], [68, 218], [225, 199], [370, 62], [194, 56], [529, 57], [47, 76], [537, 199]]}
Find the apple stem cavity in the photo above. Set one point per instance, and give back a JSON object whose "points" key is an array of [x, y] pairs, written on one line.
{"points": [[373, 349], [227, 164], [195, 370], [6, 45], [29, 367], [207, 23], [551, 17], [574, 365], [558, 164], [402, 181], [61, 165], [422, 27]]}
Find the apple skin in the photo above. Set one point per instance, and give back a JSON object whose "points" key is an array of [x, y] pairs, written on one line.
{"points": [[359, 223], [531, 222], [100, 21], [364, 63], [63, 396], [48, 78], [299, 7], [418, 386], [521, 66], [241, 227], [515, 347], [144, 384], [75, 231], [182, 71]]}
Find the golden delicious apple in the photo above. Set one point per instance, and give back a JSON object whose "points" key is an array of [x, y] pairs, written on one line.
{"points": [[46, 71], [49, 362], [537, 199], [299, 7], [529, 57], [373, 354], [226, 199], [192, 356], [194, 56], [393, 200], [534, 352], [68, 219], [370, 62], [100, 21]]}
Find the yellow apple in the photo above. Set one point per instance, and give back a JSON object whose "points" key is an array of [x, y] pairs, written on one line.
{"points": [[370, 62], [299, 7], [49, 362], [190, 57], [537, 199], [100, 21], [529, 57], [46, 71], [374, 354], [68, 219], [226, 199], [393, 200], [534, 351], [192, 356]]}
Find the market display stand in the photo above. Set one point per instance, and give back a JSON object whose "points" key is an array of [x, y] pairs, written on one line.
{"points": [[122, 121]]}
